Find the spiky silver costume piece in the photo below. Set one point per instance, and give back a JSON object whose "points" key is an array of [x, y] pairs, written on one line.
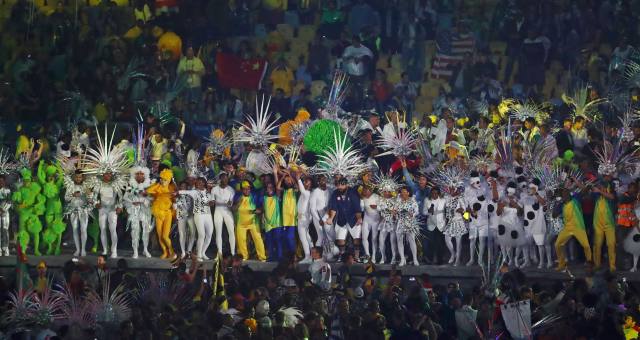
{"points": [[400, 143], [341, 160]]}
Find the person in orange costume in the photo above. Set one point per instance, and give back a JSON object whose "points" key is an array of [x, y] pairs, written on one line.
{"points": [[163, 194]]}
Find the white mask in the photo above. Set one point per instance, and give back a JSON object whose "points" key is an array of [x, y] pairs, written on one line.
{"points": [[511, 191], [558, 199], [475, 182]]}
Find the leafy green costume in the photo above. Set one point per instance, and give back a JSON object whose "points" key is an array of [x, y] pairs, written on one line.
{"points": [[51, 178], [30, 204]]}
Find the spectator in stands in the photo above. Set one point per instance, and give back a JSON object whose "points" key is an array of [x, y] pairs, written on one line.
{"points": [[382, 89], [331, 20], [319, 59], [463, 76], [412, 45], [363, 15], [281, 104], [406, 92], [282, 77], [192, 68], [356, 58]]}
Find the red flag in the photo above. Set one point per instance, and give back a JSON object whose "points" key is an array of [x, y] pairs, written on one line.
{"points": [[235, 72]]}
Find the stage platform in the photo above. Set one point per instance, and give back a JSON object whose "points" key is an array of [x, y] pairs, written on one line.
{"points": [[470, 276]]}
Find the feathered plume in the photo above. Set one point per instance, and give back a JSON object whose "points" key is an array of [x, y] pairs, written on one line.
{"points": [[105, 158], [450, 178], [480, 107], [139, 151], [75, 310], [218, 141], [543, 151], [110, 307], [292, 316], [157, 288], [336, 95], [400, 143], [632, 73], [481, 162], [386, 183], [259, 131], [130, 73], [528, 110], [340, 159], [6, 165], [629, 116], [615, 158], [298, 130], [504, 153], [582, 107], [48, 306], [427, 163]]}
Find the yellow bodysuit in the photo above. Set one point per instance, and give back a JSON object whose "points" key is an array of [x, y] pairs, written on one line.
{"points": [[162, 210]]}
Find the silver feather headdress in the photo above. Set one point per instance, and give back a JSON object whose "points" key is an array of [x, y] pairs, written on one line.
{"points": [[259, 131], [217, 142], [629, 116], [6, 165], [450, 178], [341, 159], [292, 316], [139, 151], [109, 306], [105, 158], [336, 95], [400, 143], [522, 111], [386, 183], [616, 158]]}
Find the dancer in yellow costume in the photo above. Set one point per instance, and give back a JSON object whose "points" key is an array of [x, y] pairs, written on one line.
{"points": [[247, 208], [163, 194], [604, 225], [573, 227]]}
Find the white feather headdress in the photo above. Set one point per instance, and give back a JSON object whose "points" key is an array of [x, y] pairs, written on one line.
{"points": [[292, 316], [340, 159], [386, 183], [6, 165], [401, 142], [105, 158], [450, 178], [258, 131], [616, 158], [218, 141]]}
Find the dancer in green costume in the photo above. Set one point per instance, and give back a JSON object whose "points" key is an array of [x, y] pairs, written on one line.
{"points": [[30, 204], [51, 178]]}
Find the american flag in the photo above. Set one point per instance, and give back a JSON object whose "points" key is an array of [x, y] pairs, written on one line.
{"points": [[450, 49]]}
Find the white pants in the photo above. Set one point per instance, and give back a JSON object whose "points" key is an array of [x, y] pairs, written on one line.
{"points": [[187, 237], [79, 220], [370, 226], [341, 231], [224, 214], [319, 232], [4, 231], [108, 218], [304, 236], [140, 227], [204, 226]]}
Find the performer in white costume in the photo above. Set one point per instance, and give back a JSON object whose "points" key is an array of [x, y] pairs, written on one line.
{"points": [[202, 200], [138, 204], [108, 166], [223, 195]]}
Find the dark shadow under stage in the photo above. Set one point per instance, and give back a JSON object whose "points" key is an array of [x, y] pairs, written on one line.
{"points": [[439, 274]]}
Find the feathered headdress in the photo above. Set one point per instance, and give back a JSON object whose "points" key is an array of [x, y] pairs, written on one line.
{"points": [[105, 158], [522, 111], [111, 307], [336, 95], [481, 162], [582, 107], [258, 131], [75, 310], [386, 183], [632, 73], [629, 116], [6, 165], [139, 151], [450, 178], [401, 142], [340, 159], [614, 158], [543, 151], [504, 152], [130, 73], [292, 316], [218, 141]]}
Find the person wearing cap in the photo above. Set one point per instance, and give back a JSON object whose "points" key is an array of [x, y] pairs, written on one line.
{"points": [[222, 195], [477, 199], [247, 207], [344, 209]]}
